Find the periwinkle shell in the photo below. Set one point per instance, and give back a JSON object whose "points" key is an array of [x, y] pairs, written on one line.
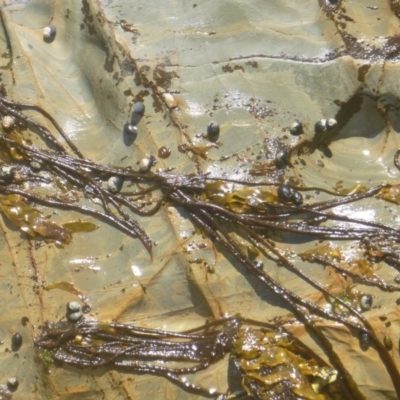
{"points": [[284, 193], [320, 126], [213, 130], [366, 302], [16, 341], [281, 158], [75, 316], [364, 340], [73, 306], [138, 108], [12, 384], [331, 124], [296, 129], [296, 198], [114, 184], [49, 33]]}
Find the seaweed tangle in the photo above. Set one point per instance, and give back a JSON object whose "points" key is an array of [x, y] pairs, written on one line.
{"points": [[217, 206], [269, 358]]}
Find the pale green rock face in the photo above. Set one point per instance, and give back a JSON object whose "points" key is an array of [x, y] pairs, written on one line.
{"points": [[254, 67]]}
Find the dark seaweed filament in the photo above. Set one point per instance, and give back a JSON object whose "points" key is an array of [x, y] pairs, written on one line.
{"points": [[65, 162]]}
